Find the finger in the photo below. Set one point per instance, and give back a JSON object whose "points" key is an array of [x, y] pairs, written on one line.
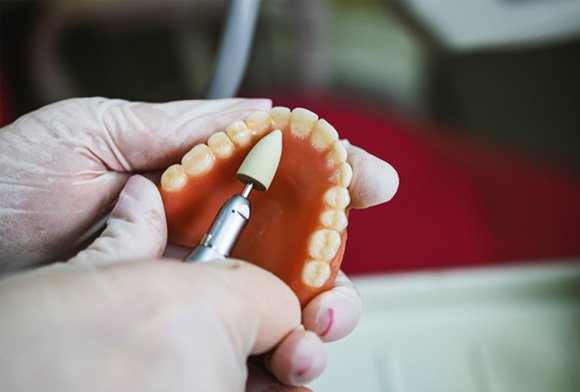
{"points": [[334, 313], [148, 136], [260, 380], [234, 290], [228, 296], [135, 230], [299, 359], [374, 180]]}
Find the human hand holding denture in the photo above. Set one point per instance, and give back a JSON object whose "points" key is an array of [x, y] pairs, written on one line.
{"points": [[63, 167]]}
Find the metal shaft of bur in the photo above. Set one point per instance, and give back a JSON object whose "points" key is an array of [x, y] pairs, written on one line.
{"points": [[247, 189]]}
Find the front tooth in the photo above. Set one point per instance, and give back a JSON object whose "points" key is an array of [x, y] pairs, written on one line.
{"points": [[337, 154], [323, 244], [173, 178], [221, 145], [302, 121], [239, 133], [315, 273], [337, 198], [259, 123], [334, 219], [345, 175], [324, 135], [198, 160], [280, 117]]}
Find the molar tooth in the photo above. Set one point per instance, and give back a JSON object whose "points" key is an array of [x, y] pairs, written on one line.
{"points": [[198, 160], [315, 273], [334, 219], [302, 121], [280, 117], [173, 178], [323, 244], [324, 135], [337, 154], [221, 145], [337, 198], [345, 175], [239, 133], [259, 123]]}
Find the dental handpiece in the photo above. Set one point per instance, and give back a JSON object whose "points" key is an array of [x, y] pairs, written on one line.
{"points": [[225, 230], [256, 172]]}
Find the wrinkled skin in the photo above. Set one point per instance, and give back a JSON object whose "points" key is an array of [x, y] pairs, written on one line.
{"points": [[110, 309]]}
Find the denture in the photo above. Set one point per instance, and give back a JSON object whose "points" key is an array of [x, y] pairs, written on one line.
{"points": [[297, 228]]}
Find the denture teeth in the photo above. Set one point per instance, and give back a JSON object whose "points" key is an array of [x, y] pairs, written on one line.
{"points": [[345, 175], [334, 219], [221, 145], [315, 273], [259, 123], [199, 160], [173, 178], [239, 133], [302, 121], [323, 135], [323, 244], [337, 154], [280, 117], [337, 198]]}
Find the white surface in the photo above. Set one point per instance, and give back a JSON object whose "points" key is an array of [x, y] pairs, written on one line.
{"points": [[473, 24], [482, 330]]}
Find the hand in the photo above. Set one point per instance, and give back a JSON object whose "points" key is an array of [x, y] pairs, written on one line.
{"points": [[145, 326], [63, 167]]}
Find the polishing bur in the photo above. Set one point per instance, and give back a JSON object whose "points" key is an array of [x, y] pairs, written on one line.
{"points": [[262, 162]]}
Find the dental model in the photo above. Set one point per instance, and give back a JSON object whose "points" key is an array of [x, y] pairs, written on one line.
{"points": [[298, 226]]}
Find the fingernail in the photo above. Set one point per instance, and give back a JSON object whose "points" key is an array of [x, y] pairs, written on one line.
{"points": [[324, 321], [304, 362]]}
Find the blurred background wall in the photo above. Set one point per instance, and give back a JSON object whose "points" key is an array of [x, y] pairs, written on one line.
{"points": [[525, 93]]}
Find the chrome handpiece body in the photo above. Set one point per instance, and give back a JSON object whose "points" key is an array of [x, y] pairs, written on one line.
{"points": [[225, 230]]}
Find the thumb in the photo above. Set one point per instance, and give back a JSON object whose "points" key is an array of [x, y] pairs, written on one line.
{"points": [[137, 136], [135, 230], [374, 180]]}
